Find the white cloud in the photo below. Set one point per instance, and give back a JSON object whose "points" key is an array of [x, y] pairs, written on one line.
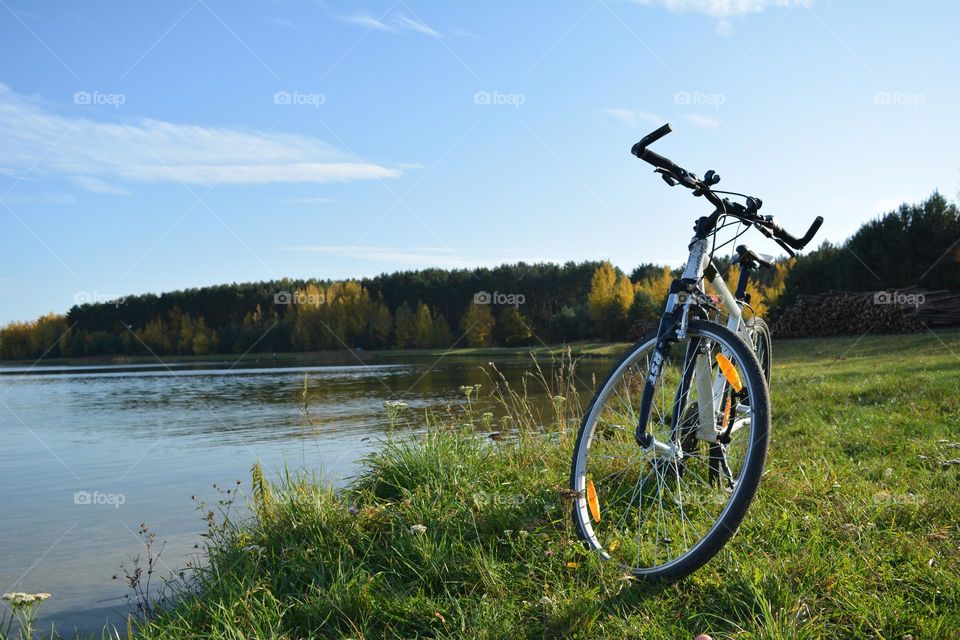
{"points": [[93, 154], [410, 24], [634, 118], [414, 257], [700, 120], [96, 185], [724, 8], [368, 22], [396, 24], [725, 28]]}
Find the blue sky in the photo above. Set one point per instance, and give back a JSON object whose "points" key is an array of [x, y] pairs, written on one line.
{"points": [[155, 146]]}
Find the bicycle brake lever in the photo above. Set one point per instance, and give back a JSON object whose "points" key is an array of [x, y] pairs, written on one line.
{"points": [[667, 177], [783, 245]]}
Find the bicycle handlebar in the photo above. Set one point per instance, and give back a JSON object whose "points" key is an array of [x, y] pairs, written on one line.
{"points": [[680, 175], [649, 139], [799, 243]]}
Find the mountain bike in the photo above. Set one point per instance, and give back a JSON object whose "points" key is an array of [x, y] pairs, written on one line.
{"points": [[672, 446]]}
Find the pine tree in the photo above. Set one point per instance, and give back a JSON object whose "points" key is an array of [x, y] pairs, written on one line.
{"points": [[404, 327]]}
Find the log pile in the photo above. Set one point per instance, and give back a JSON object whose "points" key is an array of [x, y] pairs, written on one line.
{"points": [[845, 313]]}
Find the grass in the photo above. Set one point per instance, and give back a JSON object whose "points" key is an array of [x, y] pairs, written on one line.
{"points": [[854, 533]]}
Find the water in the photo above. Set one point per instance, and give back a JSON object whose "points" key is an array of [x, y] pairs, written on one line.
{"points": [[90, 453]]}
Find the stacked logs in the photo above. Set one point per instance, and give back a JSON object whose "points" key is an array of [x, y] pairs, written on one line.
{"points": [[890, 311]]}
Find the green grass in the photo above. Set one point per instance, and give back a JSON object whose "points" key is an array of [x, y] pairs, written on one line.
{"points": [[854, 533]]}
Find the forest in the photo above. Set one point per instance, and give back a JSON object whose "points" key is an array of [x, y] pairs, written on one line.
{"points": [[509, 305]]}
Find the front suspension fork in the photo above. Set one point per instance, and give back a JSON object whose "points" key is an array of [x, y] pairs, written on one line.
{"points": [[666, 336]]}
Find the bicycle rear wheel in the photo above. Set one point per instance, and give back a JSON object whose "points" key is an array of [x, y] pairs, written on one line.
{"points": [[760, 332], [661, 516]]}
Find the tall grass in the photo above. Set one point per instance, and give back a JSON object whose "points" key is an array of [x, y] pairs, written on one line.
{"points": [[463, 530], [456, 534]]}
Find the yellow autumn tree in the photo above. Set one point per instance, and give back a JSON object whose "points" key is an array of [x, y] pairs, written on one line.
{"points": [[423, 327], [757, 300], [609, 300], [477, 324]]}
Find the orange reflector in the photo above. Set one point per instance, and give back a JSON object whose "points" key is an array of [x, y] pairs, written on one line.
{"points": [[729, 372], [592, 501], [726, 412]]}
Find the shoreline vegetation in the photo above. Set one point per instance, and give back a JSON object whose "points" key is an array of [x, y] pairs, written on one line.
{"points": [[447, 532], [511, 305], [587, 349]]}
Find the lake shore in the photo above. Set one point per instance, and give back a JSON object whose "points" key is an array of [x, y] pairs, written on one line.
{"points": [[343, 356], [853, 533]]}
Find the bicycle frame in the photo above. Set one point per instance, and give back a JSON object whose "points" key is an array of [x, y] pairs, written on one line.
{"points": [[682, 300]]}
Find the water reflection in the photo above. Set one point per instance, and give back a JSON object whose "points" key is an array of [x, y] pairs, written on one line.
{"points": [[157, 436]]}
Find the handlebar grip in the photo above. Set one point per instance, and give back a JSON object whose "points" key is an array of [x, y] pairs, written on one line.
{"points": [[812, 231], [800, 243], [658, 160], [649, 139]]}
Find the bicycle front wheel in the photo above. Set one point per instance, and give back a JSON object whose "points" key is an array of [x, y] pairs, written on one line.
{"points": [[662, 515]]}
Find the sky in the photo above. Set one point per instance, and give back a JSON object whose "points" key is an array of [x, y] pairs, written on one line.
{"points": [[148, 147]]}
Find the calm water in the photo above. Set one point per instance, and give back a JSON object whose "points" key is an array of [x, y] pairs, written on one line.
{"points": [[88, 453]]}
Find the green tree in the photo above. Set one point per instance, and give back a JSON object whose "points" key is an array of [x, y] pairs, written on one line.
{"points": [[513, 329], [380, 324], [423, 327], [404, 327], [477, 324], [157, 337], [442, 335], [204, 339]]}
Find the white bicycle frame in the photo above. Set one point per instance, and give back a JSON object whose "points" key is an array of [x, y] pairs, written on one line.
{"points": [[710, 386]]}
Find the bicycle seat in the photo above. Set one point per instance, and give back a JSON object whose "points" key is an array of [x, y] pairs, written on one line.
{"points": [[748, 258]]}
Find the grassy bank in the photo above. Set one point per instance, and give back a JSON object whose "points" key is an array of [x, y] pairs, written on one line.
{"points": [[854, 532]]}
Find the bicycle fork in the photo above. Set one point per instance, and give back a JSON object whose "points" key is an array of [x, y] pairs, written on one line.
{"points": [[697, 370]]}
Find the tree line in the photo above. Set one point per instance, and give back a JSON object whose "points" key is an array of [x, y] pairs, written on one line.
{"points": [[510, 305]]}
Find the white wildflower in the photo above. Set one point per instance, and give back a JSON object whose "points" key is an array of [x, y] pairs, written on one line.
{"points": [[418, 529], [18, 598]]}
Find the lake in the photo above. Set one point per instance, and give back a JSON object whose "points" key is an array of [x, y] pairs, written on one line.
{"points": [[89, 453]]}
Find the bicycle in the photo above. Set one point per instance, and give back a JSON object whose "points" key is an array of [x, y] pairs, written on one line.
{"points": [[672, 446]]}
